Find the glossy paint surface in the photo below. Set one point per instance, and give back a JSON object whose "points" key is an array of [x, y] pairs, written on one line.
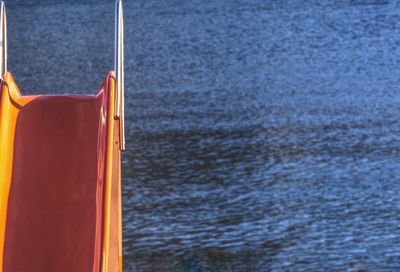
{"points": [[11, 102], [57, 171], [55, 201]]}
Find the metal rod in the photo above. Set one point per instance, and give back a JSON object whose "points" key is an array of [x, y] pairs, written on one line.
{"points": [[119, 66], [122, 76], [3, 42]]}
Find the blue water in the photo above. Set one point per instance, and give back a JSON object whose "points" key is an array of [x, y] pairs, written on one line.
{"points": [[261, 135]]}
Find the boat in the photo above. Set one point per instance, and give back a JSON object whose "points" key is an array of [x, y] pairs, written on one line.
{"points": [[60, 172]]}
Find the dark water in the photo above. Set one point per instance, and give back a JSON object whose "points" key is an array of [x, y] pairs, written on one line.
{"points": [[261, 135]]}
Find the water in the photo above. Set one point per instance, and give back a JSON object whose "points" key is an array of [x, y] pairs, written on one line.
{"points": [[261, 135]]}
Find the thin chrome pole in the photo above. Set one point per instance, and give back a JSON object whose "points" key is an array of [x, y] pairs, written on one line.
{"points": [[3, 42], [119, 65]]}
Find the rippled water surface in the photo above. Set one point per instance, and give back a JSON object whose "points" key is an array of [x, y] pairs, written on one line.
{"points": [[261, 135]]}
